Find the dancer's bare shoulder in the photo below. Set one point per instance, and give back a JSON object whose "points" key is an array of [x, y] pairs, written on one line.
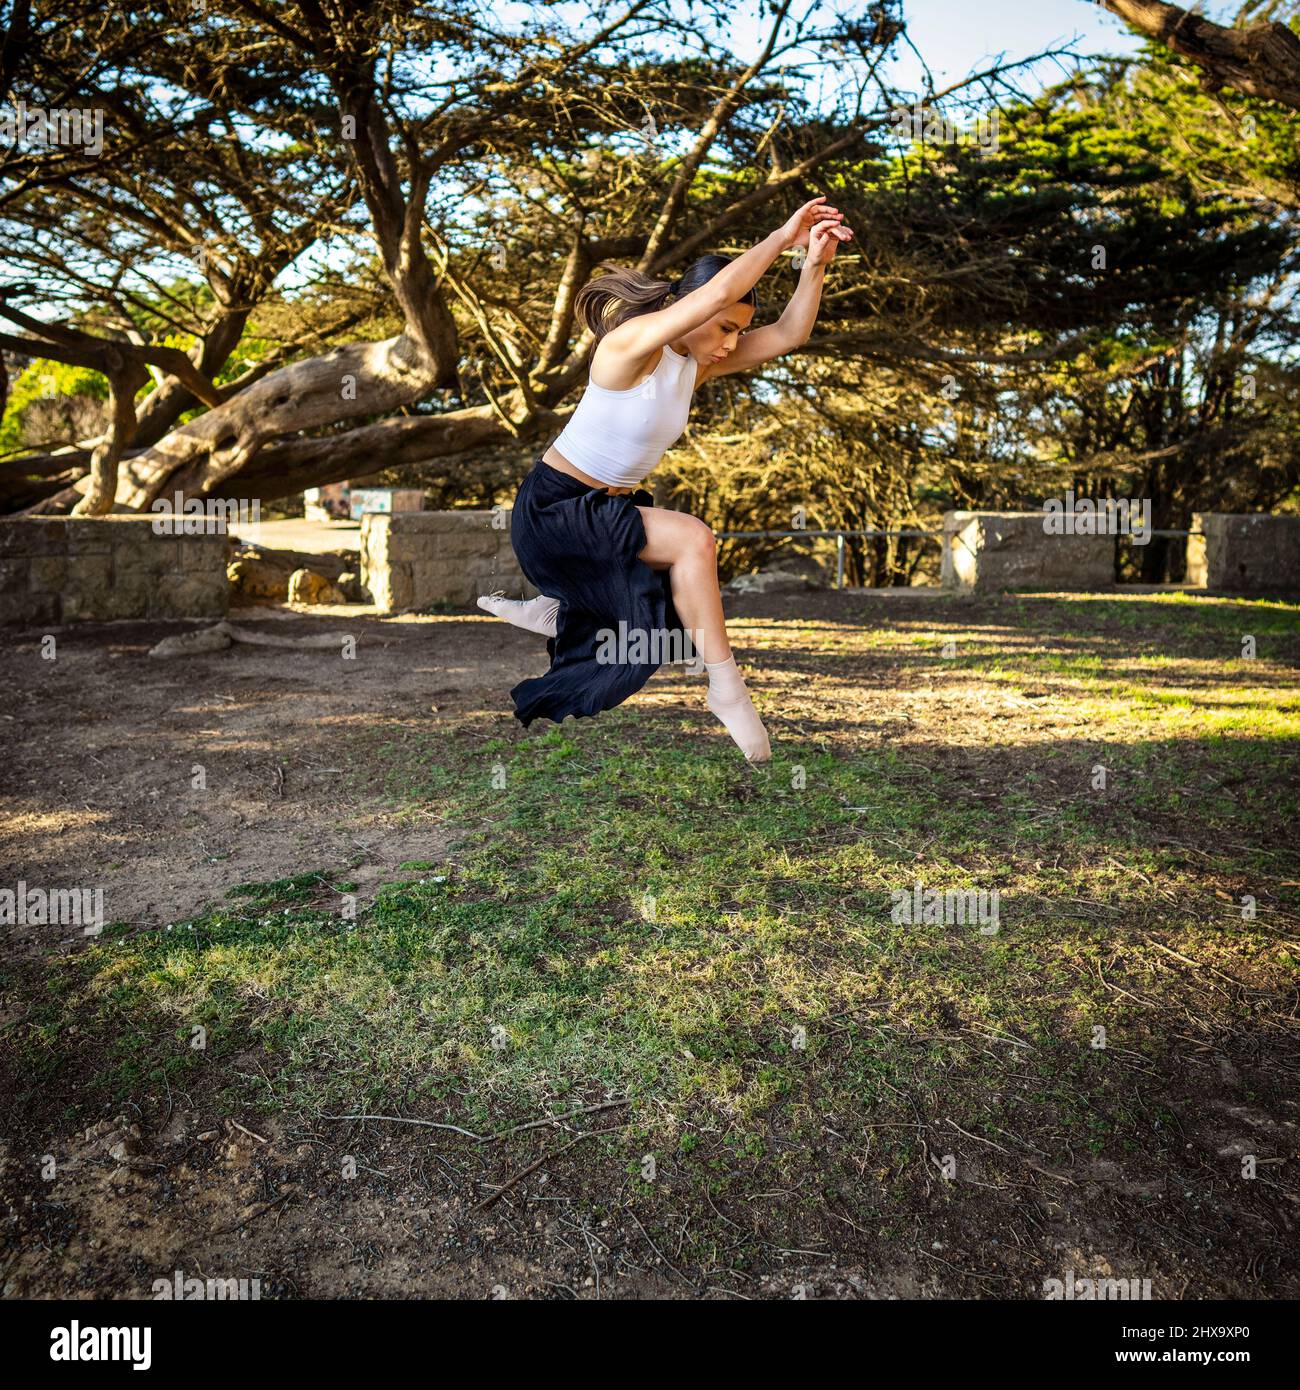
{"points": [[620, 365]]}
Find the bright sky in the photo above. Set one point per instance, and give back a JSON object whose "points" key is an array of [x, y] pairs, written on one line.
{"points": [[954, 36], [958, 36]]}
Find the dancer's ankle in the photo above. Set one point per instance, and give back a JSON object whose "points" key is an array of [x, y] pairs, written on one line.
{"points": [[725, 681], [730, 701]]}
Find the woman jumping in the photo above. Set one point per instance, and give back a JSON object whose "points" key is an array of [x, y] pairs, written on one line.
{"points": [[590, 538]]}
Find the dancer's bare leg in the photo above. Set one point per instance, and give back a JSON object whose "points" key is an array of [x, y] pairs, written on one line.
{"points": [[686, 547]]}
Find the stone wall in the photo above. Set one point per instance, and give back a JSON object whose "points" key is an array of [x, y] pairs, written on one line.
{"points": [[1245, 554], [56, 569], [987, 551], [414, 559]]}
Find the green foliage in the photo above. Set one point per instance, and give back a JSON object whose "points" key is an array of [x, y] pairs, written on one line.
{"points": [[45, 380]]}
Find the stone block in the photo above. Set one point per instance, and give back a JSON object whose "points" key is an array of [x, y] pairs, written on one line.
{"points": [[447, 523], [392, 588], [403, 523], [403, 549], [66, 568], [13, 575], [89, 574], [430, 577], [48, 574], [29, 609], [1245, 553], [156, 555], [32, 535], [414, 559], [204, 554], [989, 551], [190, 597], [88, 535], [461, 592], [128, 596], [483, 566], [131, 529], [465, 547]]}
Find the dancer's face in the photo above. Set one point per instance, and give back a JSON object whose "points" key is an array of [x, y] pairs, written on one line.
{"points": [[717, 338]]}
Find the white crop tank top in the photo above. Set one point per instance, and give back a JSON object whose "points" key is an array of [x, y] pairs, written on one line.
{"points": [[617, 437]]}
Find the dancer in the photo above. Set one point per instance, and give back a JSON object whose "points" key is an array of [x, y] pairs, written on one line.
{"points": [[606, 559]]}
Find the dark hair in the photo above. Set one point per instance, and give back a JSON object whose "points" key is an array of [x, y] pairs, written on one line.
{"points": [[621, 294]]}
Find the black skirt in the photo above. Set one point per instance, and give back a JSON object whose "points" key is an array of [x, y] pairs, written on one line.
{"points": [[579, 544]]}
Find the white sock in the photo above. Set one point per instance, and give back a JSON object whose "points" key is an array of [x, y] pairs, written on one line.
{"points": [[532, 614], [728, 698]]}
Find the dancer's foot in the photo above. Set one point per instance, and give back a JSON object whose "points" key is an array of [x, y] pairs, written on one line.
{"points": [[728, 698], [532, 614]]}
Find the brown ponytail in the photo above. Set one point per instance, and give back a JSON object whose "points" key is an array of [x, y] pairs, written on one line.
{"points": [[618, 295], [621, 294]]}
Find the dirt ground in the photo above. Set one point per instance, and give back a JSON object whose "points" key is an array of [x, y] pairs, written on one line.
{"points": [[111, 799], [102, 748]]}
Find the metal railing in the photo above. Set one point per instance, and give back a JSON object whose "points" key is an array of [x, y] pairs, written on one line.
{"points": [[904, 531], [839, 540]]}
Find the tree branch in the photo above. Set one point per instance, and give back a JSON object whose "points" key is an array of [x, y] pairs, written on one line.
{"points": [[1260, 61]]}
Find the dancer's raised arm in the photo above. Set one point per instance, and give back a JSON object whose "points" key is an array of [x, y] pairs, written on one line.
{"points": [[640, 336], [791, 330]]}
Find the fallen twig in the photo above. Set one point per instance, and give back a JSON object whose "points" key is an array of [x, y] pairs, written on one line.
{"points": [[555, 1119], [252, 1215], [532, 1168], [403, 1120]]}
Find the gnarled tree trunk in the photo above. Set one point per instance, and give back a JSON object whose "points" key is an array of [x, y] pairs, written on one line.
{"points": [[362, 379], [124, 380]]}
